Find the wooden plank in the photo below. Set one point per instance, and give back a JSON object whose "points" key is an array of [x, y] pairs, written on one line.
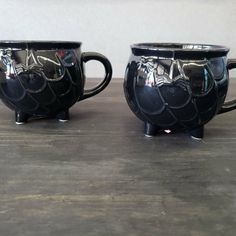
{"points": [[98, 175]]}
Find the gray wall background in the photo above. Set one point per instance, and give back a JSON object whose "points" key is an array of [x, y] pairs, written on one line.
{"points": [[109, 26]]}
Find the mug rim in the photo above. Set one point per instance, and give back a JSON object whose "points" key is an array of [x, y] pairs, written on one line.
{"points": [[38, 44], [183, 47], [181, 51]]}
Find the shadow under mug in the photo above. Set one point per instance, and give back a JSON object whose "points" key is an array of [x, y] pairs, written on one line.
{"points": [[173, 87], [45, 78]]}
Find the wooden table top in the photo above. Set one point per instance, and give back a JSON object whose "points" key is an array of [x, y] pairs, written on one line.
{"points": [[98, 175]]}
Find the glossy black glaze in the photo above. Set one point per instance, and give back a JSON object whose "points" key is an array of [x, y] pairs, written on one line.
{"points": [[177, 87], [44, 79]]}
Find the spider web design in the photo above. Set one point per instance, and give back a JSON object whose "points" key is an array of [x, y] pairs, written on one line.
{"points": [[166, 93], [41, 85]]}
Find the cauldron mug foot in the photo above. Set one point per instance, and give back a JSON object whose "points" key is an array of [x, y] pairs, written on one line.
{"points": [[197, 133], [21, 117], [150, 130], [63, 116]]}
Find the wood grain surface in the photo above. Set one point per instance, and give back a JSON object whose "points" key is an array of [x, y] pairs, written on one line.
{"points": [[97, 175]]}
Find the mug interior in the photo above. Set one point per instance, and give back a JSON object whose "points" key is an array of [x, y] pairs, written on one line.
{"points": [[38, 45]]}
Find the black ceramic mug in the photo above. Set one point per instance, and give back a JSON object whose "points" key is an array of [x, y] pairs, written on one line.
{"points": [[174, 87], [44, 79]]}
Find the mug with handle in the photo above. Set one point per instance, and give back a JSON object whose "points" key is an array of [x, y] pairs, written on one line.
{"points": [[45, 78], [175, 87]]}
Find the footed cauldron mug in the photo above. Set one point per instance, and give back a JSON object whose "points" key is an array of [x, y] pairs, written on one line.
{"points": [[174, 87], [45, 78]]}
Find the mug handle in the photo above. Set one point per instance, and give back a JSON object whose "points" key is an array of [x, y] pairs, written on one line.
{"points": [[87, 56], [230, 105]]}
